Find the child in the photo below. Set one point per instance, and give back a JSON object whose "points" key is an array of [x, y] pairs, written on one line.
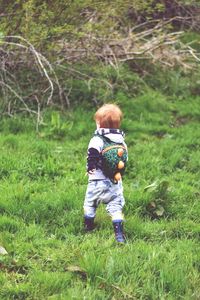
{"points": [[101, 188]]}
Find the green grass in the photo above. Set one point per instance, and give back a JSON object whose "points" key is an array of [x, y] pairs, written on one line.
{"points": [[42, 187]]}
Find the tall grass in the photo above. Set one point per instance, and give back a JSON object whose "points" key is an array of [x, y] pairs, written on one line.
{"points": [[42, 187]]}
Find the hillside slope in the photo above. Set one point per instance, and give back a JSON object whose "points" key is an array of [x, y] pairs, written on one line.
{"points": [[42, 187]]}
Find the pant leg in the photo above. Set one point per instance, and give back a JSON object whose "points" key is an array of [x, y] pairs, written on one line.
{"points": [[115, 206], [91, 201]]}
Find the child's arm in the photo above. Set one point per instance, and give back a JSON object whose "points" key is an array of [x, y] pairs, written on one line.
{"points": [[92, 160], [93, 155]]}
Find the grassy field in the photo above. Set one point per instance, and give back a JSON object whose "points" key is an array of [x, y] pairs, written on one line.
{"points": [[42, 187]]}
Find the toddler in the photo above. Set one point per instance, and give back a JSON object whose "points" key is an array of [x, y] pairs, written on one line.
{"points": [[102, 189]]}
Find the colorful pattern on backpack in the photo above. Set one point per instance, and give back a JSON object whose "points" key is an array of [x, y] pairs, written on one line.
{"points": [[114, 157]]}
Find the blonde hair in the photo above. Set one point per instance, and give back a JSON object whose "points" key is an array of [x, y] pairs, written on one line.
{"points": [[108, 116]]}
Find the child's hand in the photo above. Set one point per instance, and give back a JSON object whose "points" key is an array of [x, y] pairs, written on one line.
{"points": [[90, 172]]}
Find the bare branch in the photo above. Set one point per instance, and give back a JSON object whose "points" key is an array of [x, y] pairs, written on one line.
{"points": [[151, 44], [18, 51], [17, 96]]}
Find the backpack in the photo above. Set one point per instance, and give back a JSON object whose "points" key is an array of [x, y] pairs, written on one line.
{"points": [[114, 158]]}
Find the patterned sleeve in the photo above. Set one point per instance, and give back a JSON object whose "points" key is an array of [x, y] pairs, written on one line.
{"points": [[94, 154]]}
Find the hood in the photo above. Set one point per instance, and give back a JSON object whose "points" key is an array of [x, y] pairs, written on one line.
{"points": [[115, 135]]}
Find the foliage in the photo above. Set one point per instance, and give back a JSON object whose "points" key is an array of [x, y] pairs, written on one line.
{"points": [[63, 54], [44, 21]]}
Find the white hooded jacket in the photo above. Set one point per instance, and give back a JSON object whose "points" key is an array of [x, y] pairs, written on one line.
{"points": [[96, 143]]}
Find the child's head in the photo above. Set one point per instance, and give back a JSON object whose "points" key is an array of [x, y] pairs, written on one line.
{"points": [[108, 116]]}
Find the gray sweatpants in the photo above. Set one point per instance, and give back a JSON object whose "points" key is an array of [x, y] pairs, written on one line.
{"points": [[104, 191]]}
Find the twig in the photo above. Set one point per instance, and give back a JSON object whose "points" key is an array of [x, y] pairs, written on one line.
{"points": [[18, 42], [125, 294], [38, 57], [17, 96], [39, 118]]}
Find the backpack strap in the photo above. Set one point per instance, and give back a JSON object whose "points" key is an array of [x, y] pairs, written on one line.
{"points": [[114, 146], [104, 138]]}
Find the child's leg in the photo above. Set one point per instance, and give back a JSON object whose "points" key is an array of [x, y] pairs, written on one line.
{"points": [[90, 206], [114, 208], [90, 202]]}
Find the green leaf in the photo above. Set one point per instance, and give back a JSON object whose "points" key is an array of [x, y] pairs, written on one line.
{"points": [[151, 186], [159, 212]]}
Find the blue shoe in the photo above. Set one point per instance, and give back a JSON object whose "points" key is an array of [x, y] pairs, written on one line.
{"points": [[118, 229]]}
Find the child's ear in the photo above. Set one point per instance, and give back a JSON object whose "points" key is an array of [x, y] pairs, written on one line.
{"points": [[98, 125]]}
